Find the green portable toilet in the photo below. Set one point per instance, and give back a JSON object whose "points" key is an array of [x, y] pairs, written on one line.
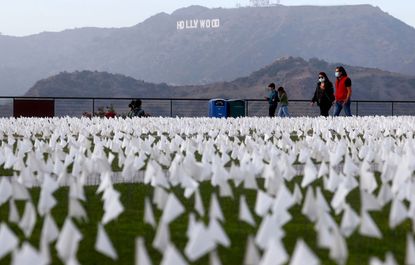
{"points": [[236, 108]]}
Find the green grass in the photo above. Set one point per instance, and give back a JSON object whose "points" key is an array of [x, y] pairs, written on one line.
{"points": [[130, 225]]}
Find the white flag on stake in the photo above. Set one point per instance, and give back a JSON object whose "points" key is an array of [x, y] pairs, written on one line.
{"points": [[5, 190], [398, 213], [141, 255], [162, 238], [275, 254], [160, 197], [112, 208], [28, 221], [267, 230], [368, 226], [244, 212], [263, 203], [350, 221], [173, 209], [309, 206], [76, 210], [8, 239], [338, 248], [324, 170], [298, 196], [385, 194], [303, 254], [214, 258], [389, 260], [19, 191], [46, 202], [172, 256], [199, 204], [103, 244], [252, 256], [200, 242], [27, 255], [13, 212], [215, 211], [310, 173], [148, 213], [191, 224], [410, 250], [284, 200], [369, 202], [50, 230], [218, 234], [68, 241]]}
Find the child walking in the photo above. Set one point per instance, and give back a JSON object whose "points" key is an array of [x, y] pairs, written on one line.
{"points": [[283, 111]]}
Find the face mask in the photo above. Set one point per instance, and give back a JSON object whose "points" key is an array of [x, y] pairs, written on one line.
{"points": [[321, 80], [337, 74]]}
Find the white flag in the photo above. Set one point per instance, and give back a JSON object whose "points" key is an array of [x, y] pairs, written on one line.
{"points": [[103, 244], [244, 212]]}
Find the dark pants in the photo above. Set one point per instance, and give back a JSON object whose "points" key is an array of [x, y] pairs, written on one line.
{"points": [[324, 109], [272, 109]]}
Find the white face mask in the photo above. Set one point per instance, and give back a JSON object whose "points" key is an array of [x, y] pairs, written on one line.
{"points": [[337, 74], [322, 80]]}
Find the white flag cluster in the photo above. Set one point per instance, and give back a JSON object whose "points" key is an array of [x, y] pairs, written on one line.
{"points": [[314, 164]]}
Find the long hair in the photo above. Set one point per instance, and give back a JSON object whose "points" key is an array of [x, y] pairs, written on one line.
{"points": [[327, 80], [281, 90], [342, 70], [323, 74]]}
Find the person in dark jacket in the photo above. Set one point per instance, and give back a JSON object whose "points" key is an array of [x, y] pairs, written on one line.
{"points": [[272, 100], [136, 110], [324, 94], [282, 95]]}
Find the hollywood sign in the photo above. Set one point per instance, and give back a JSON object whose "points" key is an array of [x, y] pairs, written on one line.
{"points": [[198, 24]]}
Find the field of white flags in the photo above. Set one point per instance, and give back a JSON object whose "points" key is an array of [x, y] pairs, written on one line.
{"points": [[207, 191]]}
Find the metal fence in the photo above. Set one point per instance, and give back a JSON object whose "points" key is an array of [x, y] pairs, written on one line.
{"points": [[196, 107]]}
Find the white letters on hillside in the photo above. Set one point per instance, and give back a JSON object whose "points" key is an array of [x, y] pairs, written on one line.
{"points": [[198, 24]]}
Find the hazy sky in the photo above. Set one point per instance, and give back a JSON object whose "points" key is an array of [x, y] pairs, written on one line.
{"points": [[24, 17]]}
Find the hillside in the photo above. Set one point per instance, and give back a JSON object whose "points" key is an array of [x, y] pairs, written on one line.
{"points": [[247, 39], [297, 75], [96, 84]]}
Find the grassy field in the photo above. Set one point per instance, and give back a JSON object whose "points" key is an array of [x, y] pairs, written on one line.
{"points": [[130, 225]]}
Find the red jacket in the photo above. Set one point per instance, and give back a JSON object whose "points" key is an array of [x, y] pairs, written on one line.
{"points": [[341, 90]]}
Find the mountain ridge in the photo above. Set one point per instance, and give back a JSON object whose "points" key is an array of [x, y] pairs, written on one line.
{"points": [[248, 38], [299, 76]]}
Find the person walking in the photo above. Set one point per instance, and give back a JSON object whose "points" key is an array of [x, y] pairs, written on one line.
{"points": [[324, 94], [343, 92], [272, 100], [282, 95]]}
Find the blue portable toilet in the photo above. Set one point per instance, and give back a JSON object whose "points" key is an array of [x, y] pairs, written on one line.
{"points": [[218, 108]]}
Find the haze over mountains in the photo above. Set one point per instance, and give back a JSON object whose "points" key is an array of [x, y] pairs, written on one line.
{"points": [[247, 40], [297, 75]]}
